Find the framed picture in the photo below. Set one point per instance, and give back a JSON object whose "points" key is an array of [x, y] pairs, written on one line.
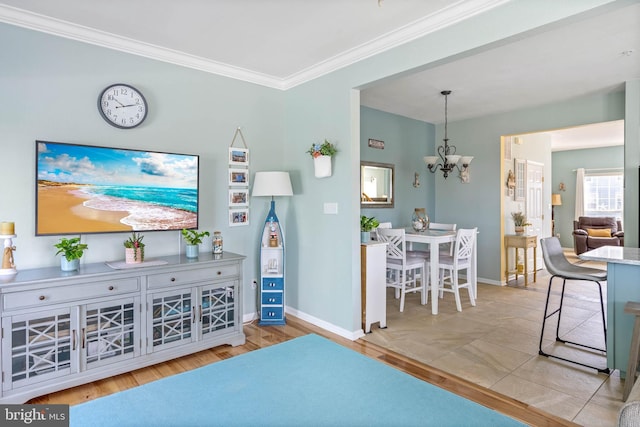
{"points": [[239, 177], [238, 156], [238, 217], [239, 197]]}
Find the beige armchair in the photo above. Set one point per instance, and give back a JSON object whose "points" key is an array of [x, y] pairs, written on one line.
{"points": [[593, 232]]}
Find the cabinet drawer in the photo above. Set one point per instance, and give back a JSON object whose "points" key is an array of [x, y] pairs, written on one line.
{"points": [[272, 284], [271, 313], [272, 298], [11, 301], [190, 276]]}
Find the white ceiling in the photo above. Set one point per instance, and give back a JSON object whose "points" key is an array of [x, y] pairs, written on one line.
{"points": [[282, 43]]}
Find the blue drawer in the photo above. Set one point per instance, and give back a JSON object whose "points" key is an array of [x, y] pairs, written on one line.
{"points": [[272, 298], [273, 284], [271, 313]]}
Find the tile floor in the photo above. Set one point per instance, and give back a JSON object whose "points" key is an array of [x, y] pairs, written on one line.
{"points": [[495, 344]]}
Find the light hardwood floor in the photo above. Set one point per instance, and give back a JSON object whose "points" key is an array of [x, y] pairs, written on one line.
{"points": [[264, 336]]}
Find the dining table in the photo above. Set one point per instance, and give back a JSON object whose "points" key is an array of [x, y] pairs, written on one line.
{"points": [[433, 239]]}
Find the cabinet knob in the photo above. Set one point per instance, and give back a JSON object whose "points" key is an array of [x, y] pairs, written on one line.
{"points": [[219, 273], [173, 279], [111, 288], [41, 297]]}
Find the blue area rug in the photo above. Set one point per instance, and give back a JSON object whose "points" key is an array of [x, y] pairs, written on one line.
{"points": [[308, 381]]}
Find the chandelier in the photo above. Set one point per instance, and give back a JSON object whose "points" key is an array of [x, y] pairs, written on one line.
{"points": [[448, 160]]}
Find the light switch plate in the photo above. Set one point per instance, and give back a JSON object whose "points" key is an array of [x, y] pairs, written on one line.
{"points": [[331, 208]]}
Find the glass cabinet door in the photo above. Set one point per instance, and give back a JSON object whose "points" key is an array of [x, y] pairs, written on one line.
{"points": [[216, 309], [110, 332], [39, 346], [171, 319]]}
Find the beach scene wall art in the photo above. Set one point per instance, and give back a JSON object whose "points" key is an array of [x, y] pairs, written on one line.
{"points": [[89, 189]]}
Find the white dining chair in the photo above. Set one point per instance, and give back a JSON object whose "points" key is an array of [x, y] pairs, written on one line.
{"points": [[405, 274], [434, 226], [382, 225], [460, 260]]}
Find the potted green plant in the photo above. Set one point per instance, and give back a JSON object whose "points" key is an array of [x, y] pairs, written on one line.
{"points": [[71, 250], [520, 222], [366, 225], [322, 154], [193, 238], [134, 249]]}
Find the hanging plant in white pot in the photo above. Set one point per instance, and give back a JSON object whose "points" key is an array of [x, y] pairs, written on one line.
{"points": [[322, 154]]}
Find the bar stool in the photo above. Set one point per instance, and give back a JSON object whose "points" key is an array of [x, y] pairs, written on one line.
{"points": [[634, 351], [557, 264]]}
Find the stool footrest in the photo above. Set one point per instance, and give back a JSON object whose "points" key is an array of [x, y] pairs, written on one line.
{"points": [[602, 370]]}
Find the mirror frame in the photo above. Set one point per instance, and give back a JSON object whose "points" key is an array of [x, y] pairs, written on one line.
{"points": [[389, 203]]}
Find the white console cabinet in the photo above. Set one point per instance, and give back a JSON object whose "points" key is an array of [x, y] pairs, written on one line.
{"points": [[61, 329]]}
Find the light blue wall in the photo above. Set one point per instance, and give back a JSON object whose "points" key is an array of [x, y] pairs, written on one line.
{"points": [[49, 88], [406, 142], [481, 137], [564, 165], [324, 257]]}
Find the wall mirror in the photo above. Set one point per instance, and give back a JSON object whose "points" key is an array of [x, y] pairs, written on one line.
{"points": [[376, 185]]}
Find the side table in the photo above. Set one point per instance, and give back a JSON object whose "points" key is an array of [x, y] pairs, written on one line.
{"points": [[525, 242]]}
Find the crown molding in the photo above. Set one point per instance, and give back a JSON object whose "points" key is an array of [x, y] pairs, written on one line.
{"points": [[419, 28], [428, 24]]}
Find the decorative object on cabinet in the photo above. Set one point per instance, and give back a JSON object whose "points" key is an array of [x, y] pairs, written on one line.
{"points": [[376, 185], [238, 181], [71, 250], [272, 300], [7, 233], [134, 249], [419, 219], [448, 157], [99, 323], [520, 222], [322, 154], [366, 226], [122, 106], [193, 238]]}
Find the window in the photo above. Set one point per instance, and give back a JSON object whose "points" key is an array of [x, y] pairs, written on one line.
{"points": [[604, 194]]}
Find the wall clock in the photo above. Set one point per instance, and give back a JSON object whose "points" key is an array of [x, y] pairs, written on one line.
{"points": [[122, 106]]}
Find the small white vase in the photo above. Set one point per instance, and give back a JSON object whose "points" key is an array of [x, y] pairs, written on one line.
{"points": [[322, 166], [191, 251], [365, 236], [66, 265]]}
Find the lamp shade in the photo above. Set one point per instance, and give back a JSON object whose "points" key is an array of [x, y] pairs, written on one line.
{"points": [[556, 200], [430, 160], [272, 184]]}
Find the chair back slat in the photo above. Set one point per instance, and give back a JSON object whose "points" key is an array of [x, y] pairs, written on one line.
{"points": [[463, 248], [442, 226], [396, 240]]}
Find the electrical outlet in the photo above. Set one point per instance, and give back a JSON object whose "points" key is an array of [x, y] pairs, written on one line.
{"points": [[254, 284]]}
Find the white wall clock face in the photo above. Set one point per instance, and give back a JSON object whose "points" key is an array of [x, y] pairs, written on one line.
{"points": [[122, 106]]}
